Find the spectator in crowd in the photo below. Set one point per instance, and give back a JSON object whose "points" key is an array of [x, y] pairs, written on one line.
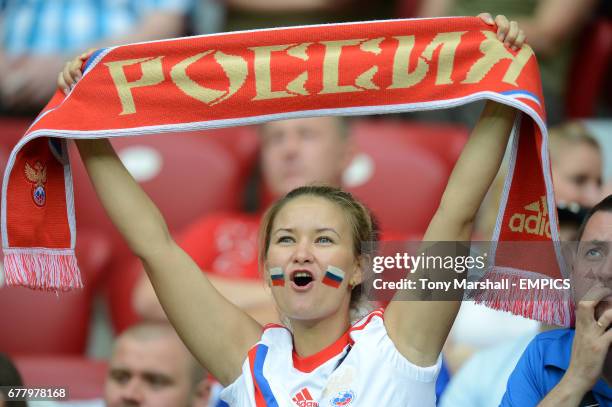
{"points": [[253, 14], [497, 120], [573, 367], [550, 27], [293, 153], [9, 376], [38, 36], [150, 366], [577, 165]]}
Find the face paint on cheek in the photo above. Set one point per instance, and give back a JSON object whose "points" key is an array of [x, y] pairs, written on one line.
{"points": [[277, 275], [333, 277]]}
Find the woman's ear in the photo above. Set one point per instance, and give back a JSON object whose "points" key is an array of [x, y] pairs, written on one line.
{"points": [[357, 275]]}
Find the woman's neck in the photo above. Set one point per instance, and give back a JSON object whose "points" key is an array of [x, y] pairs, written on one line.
{"points": [[310, 337]]}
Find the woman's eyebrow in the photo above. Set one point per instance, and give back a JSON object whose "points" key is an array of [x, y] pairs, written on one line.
{"points": [[327, 230], [318, 230]]}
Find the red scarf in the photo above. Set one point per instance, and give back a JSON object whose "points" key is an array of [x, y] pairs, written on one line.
{"points": [[241, 78]]}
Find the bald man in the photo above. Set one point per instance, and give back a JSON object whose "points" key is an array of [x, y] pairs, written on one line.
{"points": [[151, 367]]}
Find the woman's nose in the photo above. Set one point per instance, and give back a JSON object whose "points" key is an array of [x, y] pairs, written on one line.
{"points": [[303, 252]]}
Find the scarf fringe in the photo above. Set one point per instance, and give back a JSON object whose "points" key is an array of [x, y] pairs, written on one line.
{"points": [[42, 270], [546, 304]]}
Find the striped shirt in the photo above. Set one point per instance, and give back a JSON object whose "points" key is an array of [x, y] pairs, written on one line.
{"points": [[70, 26]]}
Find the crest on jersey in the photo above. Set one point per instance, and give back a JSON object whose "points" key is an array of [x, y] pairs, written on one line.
{"points": [[37, 176], [342, 398]]}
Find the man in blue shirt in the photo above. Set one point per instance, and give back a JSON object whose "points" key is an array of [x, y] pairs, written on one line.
{"points": [[38, 36], [573, 367]]}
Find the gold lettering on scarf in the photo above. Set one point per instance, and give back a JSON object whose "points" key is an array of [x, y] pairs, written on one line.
{"points": [[331, 63], [263, 76], [494, 52], [402, 78], [152, 74], [365, 79], [446, 59], [234, 67]]}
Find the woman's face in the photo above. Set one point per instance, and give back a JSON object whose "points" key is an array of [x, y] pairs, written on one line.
{"points": [[577, 174], [309, 234]]}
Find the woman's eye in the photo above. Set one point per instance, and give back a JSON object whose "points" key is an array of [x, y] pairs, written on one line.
{"points": [[324, 239], [284, 239], [580, 180]]}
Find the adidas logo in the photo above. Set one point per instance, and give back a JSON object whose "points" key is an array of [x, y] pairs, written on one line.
{"points": [[536, 223], [304, 399]]}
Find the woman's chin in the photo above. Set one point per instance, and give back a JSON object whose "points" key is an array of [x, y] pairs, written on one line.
{"points": [[308, 311]]}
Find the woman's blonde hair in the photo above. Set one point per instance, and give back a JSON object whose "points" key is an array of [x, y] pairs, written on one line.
{"points": [[572, 132], [363, 228]]}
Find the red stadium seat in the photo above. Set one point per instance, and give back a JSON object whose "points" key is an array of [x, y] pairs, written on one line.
{"points": [[188, 175], [404, 169], [242, 142], [590, 70], [444, 140], [83, 378], [49, 323]]}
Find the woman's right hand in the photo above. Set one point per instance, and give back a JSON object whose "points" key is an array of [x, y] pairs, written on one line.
{"points": [[71, 73]]}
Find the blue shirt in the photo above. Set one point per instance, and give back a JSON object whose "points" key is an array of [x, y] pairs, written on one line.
{"points": [[541, 367], [70, 26]]}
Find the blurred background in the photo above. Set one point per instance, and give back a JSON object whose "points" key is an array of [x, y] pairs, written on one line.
{"points": [[212, 189]]}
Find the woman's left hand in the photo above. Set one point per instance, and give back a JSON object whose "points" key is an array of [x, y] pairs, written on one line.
{"points": [[507, 31]]}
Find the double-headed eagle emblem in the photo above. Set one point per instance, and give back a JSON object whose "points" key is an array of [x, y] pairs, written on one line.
{"points": [[37, 175]]}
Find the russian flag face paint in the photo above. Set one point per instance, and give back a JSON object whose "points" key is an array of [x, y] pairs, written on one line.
{"points": [[333, 277], [278, 277]]}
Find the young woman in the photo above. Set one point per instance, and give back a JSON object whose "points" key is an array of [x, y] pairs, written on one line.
{"points": [[311, 257]]}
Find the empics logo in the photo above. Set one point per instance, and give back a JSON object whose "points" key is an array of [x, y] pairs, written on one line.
{"points": [[304, 399], [534, 223]]}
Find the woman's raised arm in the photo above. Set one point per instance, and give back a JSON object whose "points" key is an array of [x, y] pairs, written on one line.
{"points": [[217, 332], [420, 328]]}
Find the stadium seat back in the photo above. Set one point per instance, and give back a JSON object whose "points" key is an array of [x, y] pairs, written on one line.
{"points": [[401, 169], [84, 378], [39, 322]]}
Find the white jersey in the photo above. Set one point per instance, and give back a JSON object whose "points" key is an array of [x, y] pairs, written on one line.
{"points": [[361, 369]]}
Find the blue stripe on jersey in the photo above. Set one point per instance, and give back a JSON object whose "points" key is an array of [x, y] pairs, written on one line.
{"points": [[262, 382]]}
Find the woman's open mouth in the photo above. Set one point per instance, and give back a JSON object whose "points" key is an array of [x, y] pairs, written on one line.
{"points": [[301, 280]]}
